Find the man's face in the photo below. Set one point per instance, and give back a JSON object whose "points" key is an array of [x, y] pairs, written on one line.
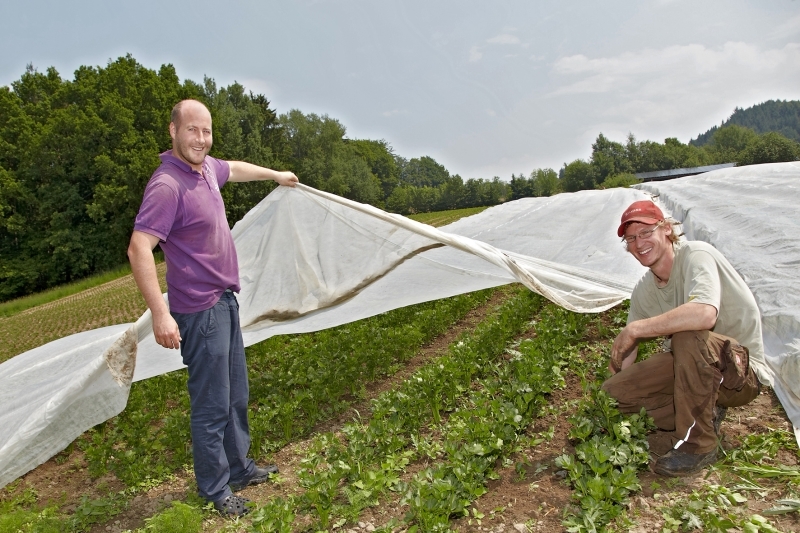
{"points": [[191, 137], [651, 249]]}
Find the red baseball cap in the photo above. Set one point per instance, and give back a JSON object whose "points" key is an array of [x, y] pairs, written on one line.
{"points": [[643, 211]]}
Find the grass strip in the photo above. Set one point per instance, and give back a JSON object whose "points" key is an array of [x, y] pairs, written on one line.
{"points": [[12, 307], [442, 218]]}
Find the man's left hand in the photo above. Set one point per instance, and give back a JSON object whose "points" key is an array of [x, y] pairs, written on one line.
{"points": [[286, 178], [623, 345]]}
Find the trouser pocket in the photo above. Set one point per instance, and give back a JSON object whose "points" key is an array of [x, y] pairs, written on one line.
{"points": [[734, 364]]}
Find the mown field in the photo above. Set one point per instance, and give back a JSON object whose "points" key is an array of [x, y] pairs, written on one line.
{"points": [[475, 413]]}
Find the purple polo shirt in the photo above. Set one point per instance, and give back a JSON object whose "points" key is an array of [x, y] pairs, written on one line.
{"points": [[184, 209]]}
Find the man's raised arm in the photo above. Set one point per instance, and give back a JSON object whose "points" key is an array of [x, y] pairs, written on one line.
{"points": [[242, 171]]}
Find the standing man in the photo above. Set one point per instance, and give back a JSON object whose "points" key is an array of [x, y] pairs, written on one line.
{"points": [[693, 295], [183, 211]]}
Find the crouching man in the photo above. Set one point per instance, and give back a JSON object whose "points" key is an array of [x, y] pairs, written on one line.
{"points": [[693, 295]]}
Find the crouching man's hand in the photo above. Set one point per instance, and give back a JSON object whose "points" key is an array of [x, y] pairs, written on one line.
{"points": [[623, 351]]}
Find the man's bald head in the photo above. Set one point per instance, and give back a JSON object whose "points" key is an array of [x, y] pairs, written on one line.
{"points": [[177, 110]]}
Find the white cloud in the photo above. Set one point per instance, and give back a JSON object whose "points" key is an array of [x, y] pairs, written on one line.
{"points": [[394, 112], [682, 68], [504, 38], [475, 54], [677, 91]]}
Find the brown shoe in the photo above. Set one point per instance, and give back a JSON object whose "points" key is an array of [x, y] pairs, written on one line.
{"points": [[677, 463]]}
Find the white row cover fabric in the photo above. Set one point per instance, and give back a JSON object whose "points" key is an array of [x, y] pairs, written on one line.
{"points": [[309, 261]]}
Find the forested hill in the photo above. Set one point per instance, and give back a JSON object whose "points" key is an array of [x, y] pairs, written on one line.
{"points": [[781, 116]]}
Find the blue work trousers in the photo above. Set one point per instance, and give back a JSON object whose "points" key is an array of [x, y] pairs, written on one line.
{"points": [[213, 350]]}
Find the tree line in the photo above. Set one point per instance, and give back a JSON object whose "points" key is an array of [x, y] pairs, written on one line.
{"points": [[614, 164], [75, 156]]}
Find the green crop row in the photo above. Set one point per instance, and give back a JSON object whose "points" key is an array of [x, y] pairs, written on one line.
{"points": [[488, 425], [114, 302], [367, 459], [296, 382], [442, 218], [478, 400]]}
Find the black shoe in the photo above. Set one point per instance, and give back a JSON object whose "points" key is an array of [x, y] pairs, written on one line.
{"points": [[260, 475], [719, 416], [677, 463], [232, 506]]}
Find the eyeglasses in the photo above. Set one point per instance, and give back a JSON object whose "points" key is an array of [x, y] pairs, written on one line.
{"points": [[630, 239]]}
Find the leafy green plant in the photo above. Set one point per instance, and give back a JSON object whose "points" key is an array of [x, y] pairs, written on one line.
{"points": [[712, 508], [320, 478], [95, 511], [46, 520], [761, 447], [276, 516], [610, 449]]}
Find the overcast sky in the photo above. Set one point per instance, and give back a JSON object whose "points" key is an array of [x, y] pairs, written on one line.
{"points": [[485, 88]]}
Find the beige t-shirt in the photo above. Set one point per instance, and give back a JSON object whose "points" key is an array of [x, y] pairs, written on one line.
{"points": [[701, 274]]}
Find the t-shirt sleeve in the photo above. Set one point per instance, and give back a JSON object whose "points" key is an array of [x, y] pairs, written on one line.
{"points": [[635, 311], [701, 280], [221, 169], [159, 208]]}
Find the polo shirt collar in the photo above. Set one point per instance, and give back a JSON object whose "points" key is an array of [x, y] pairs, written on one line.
{"points": [[167, 157]]}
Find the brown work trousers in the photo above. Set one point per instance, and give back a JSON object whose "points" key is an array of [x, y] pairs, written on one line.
{"points": [[680, 388]]}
